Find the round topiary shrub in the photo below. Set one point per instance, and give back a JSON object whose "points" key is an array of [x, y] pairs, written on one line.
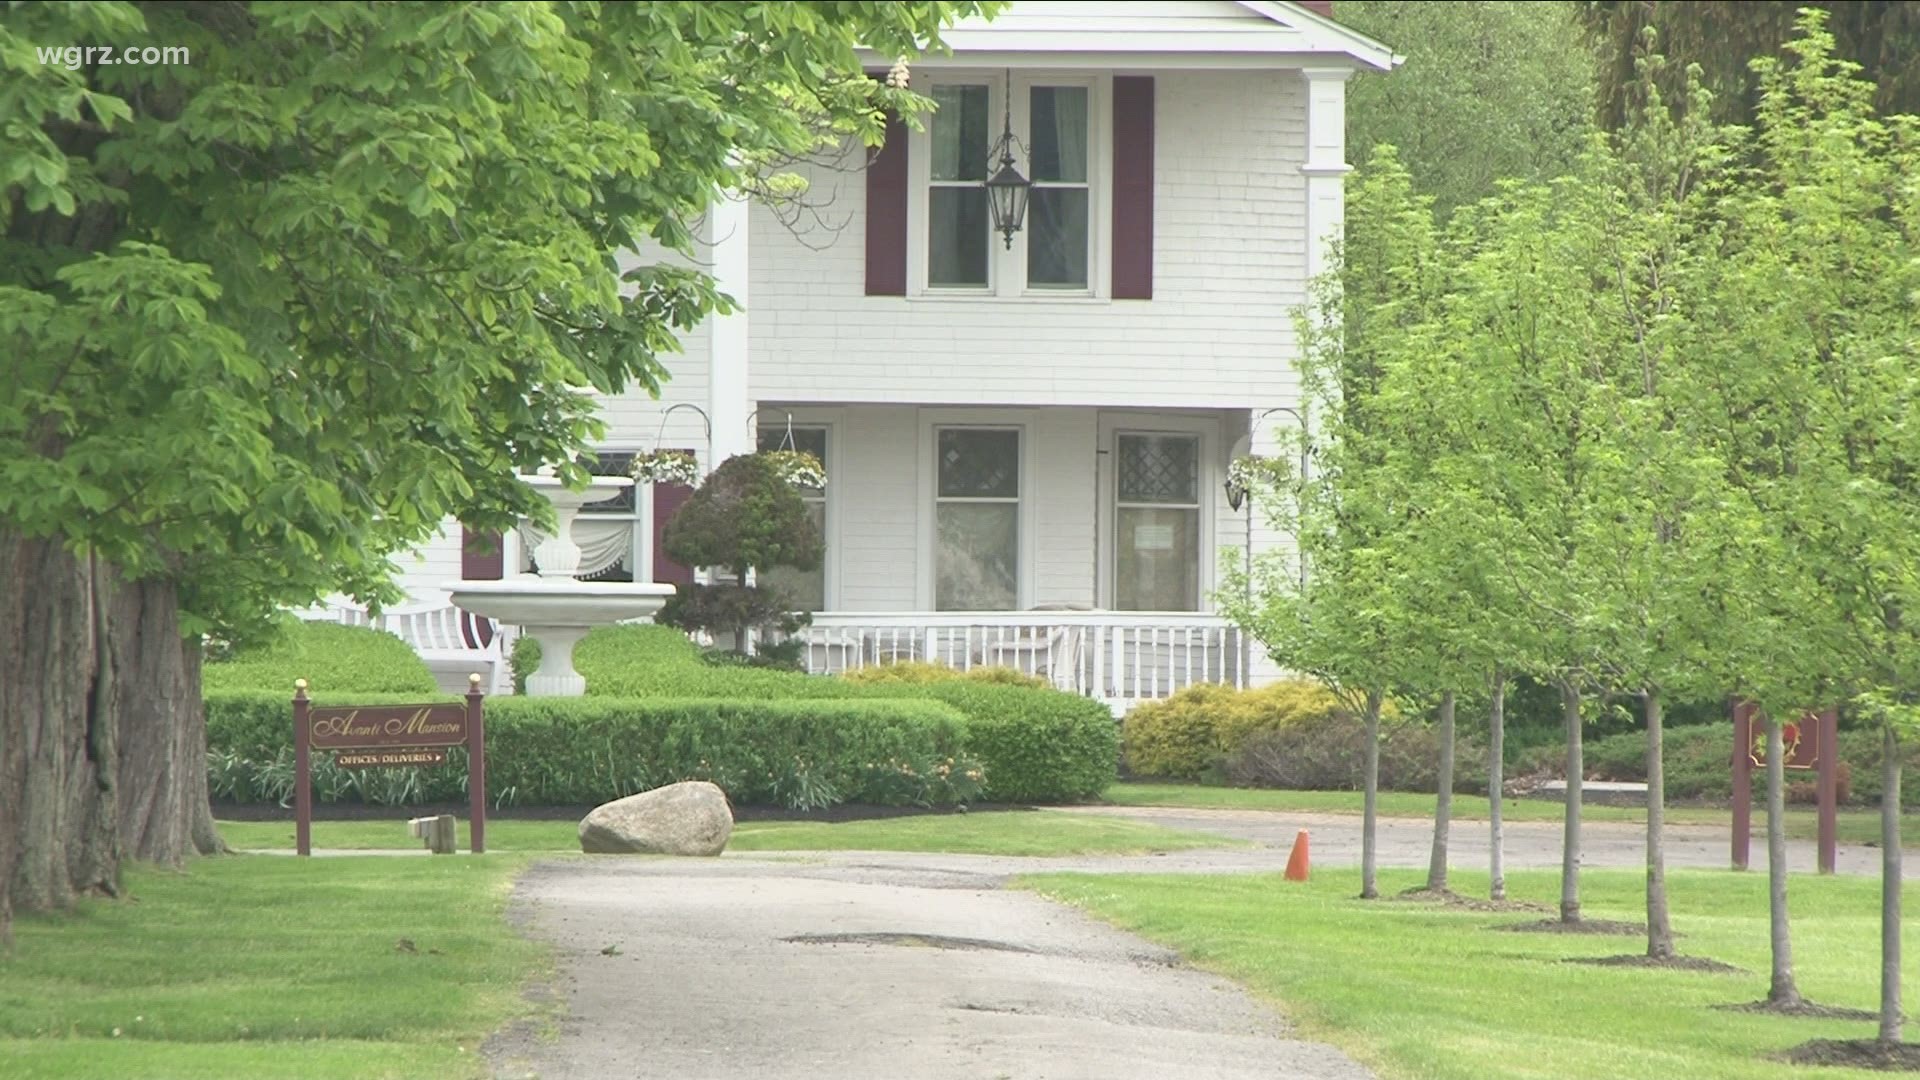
{"points": [[332, 658], [1188, 735]]}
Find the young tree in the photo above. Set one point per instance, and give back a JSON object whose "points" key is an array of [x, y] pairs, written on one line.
{"points": [[1814, 327], [273, 313], [1491, 92]]}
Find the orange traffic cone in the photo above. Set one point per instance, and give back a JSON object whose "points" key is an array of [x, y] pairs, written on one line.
{"points": [[1297, 862]]}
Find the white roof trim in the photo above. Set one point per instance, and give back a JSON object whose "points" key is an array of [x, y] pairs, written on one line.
{"points": [[1355, 44], [1091, 34]]}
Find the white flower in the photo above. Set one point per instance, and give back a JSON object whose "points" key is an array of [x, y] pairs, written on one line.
{"points": [[898, 76], [667, 467], [798, 468]]}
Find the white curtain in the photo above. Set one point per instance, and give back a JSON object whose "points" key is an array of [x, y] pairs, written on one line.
{"points": [[1070, 129], [604, 542]]}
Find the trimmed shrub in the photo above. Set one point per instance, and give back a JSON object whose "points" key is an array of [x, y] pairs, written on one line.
{"points": [[919, 673], [334, 659], [1007, 725], [1037, 745], [568, 751], [1327, 752], [1188, 735]]}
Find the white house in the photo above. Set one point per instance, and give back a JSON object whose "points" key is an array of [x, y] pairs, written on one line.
{"points": [[1026, 435]]}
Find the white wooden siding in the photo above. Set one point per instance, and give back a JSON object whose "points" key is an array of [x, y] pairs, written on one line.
{"points": [[1229, 268], [425, 571]]}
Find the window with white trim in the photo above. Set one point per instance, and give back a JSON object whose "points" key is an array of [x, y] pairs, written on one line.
{"points": [[1058, 124], [1156, 563], [976, 558], [608, 530], [808, 587]]}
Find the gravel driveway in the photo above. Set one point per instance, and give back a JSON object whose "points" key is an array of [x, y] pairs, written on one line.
{"points": [[892, 967]]}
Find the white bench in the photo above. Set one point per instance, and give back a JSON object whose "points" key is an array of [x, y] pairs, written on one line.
{"points": [[439, 633]]}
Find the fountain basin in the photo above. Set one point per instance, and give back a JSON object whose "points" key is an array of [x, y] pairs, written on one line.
{"points": [[558, 613], [564, 498]]}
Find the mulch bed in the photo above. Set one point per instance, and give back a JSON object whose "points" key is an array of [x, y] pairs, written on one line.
{"points": [[1806, 1009], [1449, 898], [363, 812], [1582, 926], [1668, 963], [1856, 1054]]}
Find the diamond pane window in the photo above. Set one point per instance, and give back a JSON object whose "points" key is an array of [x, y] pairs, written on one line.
{"points": [[1157, 523]]}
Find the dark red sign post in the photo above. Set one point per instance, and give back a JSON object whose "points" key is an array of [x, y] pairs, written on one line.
{"points": [[302, 772], [375, 736], [476, 766], [1812, 742]]}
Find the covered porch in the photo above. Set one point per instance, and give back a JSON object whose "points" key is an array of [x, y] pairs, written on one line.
{"points": [[1120, 658], [1079, 544]]}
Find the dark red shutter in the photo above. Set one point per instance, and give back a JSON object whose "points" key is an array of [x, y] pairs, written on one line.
{"points": [[1322, 8], [1132, 187], [480, 556], [887, 214], [481, 559], [667, 500]]}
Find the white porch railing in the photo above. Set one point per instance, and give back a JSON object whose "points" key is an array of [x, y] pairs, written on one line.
{"points": [[1121, 658], [441, 633]]}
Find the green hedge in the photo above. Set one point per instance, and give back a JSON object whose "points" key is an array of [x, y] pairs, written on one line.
{"points": [[332, 658], [1697, 761], [1036, 744], [564, 751]]}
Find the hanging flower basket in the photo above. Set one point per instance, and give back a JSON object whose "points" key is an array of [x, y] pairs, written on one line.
{"points": [[667, 467], [798, 468]]}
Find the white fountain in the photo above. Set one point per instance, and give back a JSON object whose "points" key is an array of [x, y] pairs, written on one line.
{"points": [[553, 606]]}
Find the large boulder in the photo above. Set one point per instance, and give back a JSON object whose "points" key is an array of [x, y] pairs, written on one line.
{"points": [[688, 818]]}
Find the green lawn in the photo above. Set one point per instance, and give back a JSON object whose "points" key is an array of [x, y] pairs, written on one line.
{"points": [[269, 967], [1853, 826], [1422, 992], [1000, 833]]}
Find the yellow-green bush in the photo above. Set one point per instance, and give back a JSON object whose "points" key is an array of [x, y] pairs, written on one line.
{"points": [[919, 672], [1187, 735]]}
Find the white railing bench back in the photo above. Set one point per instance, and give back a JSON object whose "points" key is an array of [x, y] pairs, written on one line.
{"points": [[1121, 658], [438, 632]]}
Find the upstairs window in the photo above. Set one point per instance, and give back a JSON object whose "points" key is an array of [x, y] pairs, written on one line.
{"points": [[958, 224], [1059, 206], [1057, 122]]}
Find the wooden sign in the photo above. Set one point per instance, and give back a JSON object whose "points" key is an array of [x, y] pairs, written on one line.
{"points": [[389, 759], [1811, 742], [366, 727], [389, 737]]}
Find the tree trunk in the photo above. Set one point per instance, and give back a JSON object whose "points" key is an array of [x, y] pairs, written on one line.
{"points": [[1659, 925], [164, 811], [1443, 803], [102, 733], [1496, 782], [1890, 884], [1570, 839], [1781, 989], [57, 736], [1369, 888]]}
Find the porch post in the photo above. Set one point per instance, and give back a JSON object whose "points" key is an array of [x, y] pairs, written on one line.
{"points": [[1326, 165], [728, 404]]}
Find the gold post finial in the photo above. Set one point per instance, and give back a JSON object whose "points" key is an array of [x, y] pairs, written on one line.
{"points": [[299, 684]]}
